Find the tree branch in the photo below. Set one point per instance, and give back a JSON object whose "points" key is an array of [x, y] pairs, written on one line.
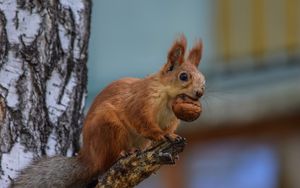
{"points": [[130, 171]]}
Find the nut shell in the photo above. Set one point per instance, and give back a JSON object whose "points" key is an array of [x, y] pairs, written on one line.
{"points": [[186, 109]]}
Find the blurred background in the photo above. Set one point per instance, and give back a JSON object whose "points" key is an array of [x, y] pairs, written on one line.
{"points": [[249, 133]]}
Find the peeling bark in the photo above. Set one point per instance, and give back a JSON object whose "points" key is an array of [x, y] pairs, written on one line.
{"points": [[43, 77]]}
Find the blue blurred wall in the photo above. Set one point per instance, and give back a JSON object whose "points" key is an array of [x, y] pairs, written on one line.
{"points": [[131, 38]]}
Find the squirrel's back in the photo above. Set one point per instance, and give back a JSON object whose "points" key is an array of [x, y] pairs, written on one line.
{"points": [[114, 93], [51, 172]]}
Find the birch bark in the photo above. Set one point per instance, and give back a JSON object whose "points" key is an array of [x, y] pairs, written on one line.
{"points": [[43, 78]]}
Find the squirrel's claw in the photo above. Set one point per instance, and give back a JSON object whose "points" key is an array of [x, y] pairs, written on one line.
{"points": [[174, 138]]}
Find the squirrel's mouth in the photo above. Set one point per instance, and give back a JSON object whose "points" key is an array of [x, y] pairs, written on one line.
{"points": [[185, 96]]}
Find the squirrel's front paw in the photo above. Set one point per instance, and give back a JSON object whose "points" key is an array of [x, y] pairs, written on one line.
{"points": [[174, 137]]}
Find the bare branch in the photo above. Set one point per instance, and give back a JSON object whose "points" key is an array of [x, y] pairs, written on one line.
{"points": [[131, 170]]}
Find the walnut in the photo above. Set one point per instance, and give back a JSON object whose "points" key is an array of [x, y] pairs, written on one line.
{"points": [[186, 108]]}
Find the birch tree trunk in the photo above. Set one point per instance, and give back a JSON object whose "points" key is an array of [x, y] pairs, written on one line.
{"points": [[43, 77]]}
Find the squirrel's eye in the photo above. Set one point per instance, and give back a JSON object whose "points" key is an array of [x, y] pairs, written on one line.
{"points": [[184, 76]]}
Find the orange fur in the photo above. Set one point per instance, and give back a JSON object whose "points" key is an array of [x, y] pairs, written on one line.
{"points": [[131, 112]]}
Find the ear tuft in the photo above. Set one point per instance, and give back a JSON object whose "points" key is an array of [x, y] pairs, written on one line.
{"points": [[176, 53], [196, 53]]}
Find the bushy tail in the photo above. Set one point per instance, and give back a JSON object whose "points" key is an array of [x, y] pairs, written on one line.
{"points": [[51, 172]]}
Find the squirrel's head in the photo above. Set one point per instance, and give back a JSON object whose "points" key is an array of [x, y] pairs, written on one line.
{"points": [[180, 74]]}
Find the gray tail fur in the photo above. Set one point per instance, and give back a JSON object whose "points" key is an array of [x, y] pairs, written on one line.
{"points": [[51, 172]]}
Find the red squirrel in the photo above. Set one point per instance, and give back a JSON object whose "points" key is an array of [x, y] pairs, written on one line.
{"points": [[129, 113]]}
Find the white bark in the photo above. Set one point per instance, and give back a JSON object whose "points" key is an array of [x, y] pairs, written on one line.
{"points": [[43, 54]]}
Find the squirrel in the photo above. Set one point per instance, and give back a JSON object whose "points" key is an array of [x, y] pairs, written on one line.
{"points": [[128, 114]]}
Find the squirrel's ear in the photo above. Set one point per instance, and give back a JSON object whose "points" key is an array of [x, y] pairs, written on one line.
{"points": [[176, 54], [196, 53]]}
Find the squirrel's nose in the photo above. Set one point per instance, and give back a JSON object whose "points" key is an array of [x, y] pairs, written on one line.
{"points": [[199, 93]]}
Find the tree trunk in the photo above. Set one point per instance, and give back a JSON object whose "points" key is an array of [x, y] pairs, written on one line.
{"points": [[43, 77]]}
